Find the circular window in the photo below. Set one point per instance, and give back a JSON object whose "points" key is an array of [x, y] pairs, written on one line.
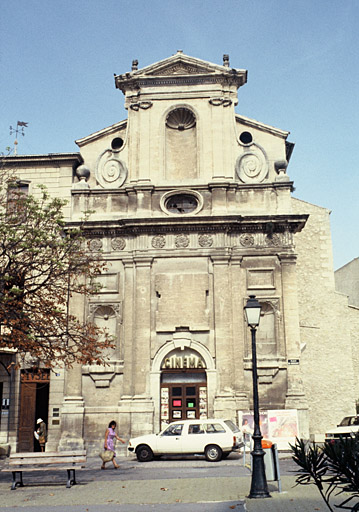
{"points": [[246, 137], [181, 203], [117, 143], [184, 202]]}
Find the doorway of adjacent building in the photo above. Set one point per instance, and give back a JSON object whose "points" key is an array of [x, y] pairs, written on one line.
{"points": [[34, 403], [183, 396]]}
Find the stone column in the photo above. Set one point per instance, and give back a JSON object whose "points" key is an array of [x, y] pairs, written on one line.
{"points": [[225, 400], [295, 398]]}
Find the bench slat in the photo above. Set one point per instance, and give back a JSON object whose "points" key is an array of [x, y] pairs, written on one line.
{"points": [[48, 460], [48, 468], [25, 455]]}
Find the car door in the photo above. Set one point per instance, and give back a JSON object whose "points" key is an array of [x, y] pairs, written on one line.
{"points": [[170, 440], [194, 438]]}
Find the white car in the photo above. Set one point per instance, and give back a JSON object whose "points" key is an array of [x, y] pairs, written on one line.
{"points": [[215, 438], [348, 427]]}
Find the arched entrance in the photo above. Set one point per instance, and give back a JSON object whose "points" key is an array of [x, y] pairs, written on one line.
{"points": [[182, 381]]}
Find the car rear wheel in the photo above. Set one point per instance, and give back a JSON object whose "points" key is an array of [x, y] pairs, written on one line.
{"points": [[144, 453], [213, 453]]}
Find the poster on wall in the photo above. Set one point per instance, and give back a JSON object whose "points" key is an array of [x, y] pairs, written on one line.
{"points": [[203, 402], [164, 407], [283, 427], [279, 426]]}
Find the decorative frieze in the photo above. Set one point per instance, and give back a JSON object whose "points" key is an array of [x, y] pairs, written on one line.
{"points": [[158, 242], [118, 243], [181, 241], [95, 245], [205, 240], [246, 240]]}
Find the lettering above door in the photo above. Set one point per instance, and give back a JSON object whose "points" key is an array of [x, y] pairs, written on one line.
{"points": [[183, 360]]}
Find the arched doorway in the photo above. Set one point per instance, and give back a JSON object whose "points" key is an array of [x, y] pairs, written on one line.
{"points": [[182, 381], [183, 386]]}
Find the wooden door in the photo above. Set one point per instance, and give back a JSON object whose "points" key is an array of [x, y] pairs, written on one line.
{"points": [[27, 421], [34, 401], [183, 401]]}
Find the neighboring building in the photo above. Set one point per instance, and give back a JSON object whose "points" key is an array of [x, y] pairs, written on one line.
{"points": [[347, 281], [193, 213]]}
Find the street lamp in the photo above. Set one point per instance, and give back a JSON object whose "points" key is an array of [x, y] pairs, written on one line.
{"points": [[259, 488]]}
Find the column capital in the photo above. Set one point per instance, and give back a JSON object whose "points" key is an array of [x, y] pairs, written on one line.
{"points": [[143, 261], [287, 259]]}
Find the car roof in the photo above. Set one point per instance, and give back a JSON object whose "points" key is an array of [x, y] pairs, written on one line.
{"points": [[207, 420]]}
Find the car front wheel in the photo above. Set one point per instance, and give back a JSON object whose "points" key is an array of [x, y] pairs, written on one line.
{"points": [[144, 453], [213, 453]]}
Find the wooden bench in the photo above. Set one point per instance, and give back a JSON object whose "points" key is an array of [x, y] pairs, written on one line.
{"points": [[45, 461]]}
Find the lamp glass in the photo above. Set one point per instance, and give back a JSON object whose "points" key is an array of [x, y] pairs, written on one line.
{"points": [[253, 311]]}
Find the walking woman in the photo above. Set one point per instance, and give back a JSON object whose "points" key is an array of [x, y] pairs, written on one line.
{"points": [[109, 443]]}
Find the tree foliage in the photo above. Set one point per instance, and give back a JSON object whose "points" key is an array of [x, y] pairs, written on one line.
{"points": [[333, 468], [43, 265]]}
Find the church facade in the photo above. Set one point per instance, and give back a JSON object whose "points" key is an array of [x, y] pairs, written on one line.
{"points": [[193, 212]]}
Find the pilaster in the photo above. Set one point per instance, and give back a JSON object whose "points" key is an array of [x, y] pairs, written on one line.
{"points": [[295, 398], [224, 401]]}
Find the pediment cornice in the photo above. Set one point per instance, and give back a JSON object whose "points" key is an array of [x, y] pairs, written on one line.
{"points": [[180, 69]]}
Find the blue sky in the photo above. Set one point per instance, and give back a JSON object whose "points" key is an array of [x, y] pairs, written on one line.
{"points": [[58, 59]]}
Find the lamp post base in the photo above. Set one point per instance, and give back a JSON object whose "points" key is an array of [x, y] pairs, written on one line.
{"points": [[259, 488]]}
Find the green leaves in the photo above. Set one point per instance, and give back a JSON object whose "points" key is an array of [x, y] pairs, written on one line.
{"points": [[333, 468]]}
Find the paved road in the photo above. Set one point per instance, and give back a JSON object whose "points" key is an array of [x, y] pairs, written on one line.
{"points": [[172, 485]]}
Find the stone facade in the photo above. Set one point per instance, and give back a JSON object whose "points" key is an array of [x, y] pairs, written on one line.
{"points": [[193, 212]]}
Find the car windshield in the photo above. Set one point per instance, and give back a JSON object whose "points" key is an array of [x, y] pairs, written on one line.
{"points": [[232, 426], [173, 430]]}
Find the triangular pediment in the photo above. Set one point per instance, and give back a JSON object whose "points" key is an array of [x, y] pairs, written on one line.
{"points": [[180, 68], [180, 64]]}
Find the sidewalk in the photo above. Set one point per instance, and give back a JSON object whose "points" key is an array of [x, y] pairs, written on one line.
{"points": [[112, 491]]}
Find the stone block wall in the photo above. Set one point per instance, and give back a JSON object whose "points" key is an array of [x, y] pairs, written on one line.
{"points": [[326, 341]]}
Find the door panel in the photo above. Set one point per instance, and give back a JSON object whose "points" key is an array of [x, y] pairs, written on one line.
{"points": [[183, 401], [27, 417]]}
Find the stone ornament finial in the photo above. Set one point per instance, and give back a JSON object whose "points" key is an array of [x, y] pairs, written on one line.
{"points": [[83, 174], [226, 60], [134, 65], [281, 169]]}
